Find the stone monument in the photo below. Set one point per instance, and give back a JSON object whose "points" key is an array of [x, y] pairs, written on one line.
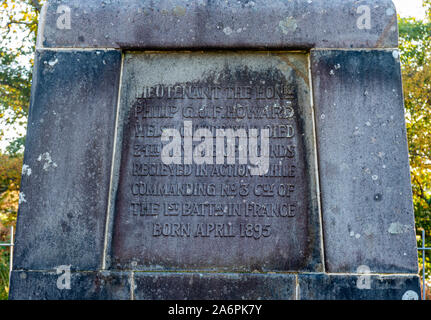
{"points": [[216, 150]]}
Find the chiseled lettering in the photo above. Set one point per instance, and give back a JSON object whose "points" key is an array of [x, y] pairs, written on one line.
{"points": [[212, 92]]}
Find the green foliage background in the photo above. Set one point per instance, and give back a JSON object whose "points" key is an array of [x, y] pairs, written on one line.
{"points": [[415, 47], [18, 28], [4, 273], [18, 31]]}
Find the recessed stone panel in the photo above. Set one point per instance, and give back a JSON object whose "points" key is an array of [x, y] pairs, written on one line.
{"points": [[216, 163]]}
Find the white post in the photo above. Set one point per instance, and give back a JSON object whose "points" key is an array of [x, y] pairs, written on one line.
{"points": [[11, 252], [424, 297]]}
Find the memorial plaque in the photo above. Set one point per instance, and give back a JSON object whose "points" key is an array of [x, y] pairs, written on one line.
{"points": [[216, 150], [214, 163]]}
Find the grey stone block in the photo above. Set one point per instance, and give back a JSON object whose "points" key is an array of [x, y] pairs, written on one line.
{"points": [[176, 24], [363, 161], [213, 286], [360, 287], [44, 285], [162, 234], [64, 191]]}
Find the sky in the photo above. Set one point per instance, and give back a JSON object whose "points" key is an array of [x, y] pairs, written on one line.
{"points": [[410, 8], [405, 8]]}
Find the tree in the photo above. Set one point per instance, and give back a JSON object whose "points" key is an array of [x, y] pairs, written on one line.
{"points": [[415, 46], [18, 30], [10, 178]]}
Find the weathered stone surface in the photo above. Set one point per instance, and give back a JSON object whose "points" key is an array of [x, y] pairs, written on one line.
{"points": [[42, 285], [94, 193], [223, 24], [168, 215], [363, 161], [68, 155], [45, 285], [359, 287], [213, 286]]}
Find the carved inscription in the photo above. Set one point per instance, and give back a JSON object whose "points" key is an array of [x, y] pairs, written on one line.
{"points": [[185, 199], [213, 168]]}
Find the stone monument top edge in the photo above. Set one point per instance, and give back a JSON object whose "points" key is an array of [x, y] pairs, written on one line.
{"points": [[218, 24]]}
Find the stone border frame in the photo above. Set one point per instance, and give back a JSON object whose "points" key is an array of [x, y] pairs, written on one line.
{"points": [[306, 120]]}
